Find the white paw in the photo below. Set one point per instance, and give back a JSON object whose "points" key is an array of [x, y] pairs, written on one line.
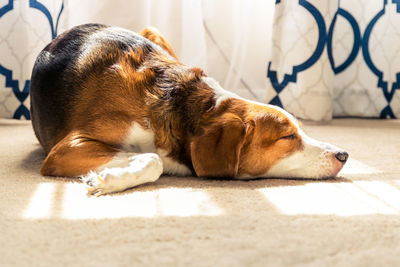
{"points": [[96, 184], [142, 168]]}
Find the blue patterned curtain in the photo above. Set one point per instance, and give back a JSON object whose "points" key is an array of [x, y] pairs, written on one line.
{"points": [[336, 58], [26, 26]]}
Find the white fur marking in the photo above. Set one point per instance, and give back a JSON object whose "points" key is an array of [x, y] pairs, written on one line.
{"points": [[140, 140], [171, 166], [316, 160], [220, 93]]}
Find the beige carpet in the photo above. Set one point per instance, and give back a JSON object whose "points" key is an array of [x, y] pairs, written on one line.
{"points": [[351, 221]]}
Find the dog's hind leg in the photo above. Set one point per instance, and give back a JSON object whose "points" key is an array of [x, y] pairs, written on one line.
{"points": [[103, 168]]}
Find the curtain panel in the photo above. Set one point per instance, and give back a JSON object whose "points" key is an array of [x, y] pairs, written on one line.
{"points": [[25, 28], [336, 58]]}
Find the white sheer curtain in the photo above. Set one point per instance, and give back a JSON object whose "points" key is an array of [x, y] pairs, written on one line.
{"points": [[229, 39]]}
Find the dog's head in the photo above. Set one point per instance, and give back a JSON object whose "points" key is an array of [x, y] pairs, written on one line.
{"points": [[243, 139]]}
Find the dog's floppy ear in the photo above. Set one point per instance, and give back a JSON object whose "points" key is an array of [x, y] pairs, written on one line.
{"points": [[216, 151]]}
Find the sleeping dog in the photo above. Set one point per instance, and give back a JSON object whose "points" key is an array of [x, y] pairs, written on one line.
{"points": [[119, 109]]}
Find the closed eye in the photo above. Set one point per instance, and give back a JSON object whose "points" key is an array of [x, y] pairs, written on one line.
{"points": [[290, 137]]}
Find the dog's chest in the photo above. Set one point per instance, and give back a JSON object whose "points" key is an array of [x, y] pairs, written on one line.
{"points": [[140, 140]]}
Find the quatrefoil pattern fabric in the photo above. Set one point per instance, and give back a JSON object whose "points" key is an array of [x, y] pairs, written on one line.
{"points": [[336, 58], [26, 26]]}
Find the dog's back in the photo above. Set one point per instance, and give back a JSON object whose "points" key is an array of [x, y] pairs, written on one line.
{"points": [[64, 65]]}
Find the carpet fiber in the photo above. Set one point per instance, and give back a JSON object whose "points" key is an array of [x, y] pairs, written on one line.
{"points": [[353, 220]]}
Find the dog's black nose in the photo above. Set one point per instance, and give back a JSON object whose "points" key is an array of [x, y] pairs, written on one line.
{"points": [[342, 156]]}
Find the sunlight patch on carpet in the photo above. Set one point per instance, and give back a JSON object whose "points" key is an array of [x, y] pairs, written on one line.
{"points": [[41, 202], [75, 204], [354, 166], [180, 202], [385, 192], [342, 199]]}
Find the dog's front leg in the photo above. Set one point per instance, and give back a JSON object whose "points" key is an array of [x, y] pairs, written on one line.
{"points": [[104, 168], [124, 171]]}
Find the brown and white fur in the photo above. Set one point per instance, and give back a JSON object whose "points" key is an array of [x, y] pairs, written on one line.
{"points": [[119, 109]]}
